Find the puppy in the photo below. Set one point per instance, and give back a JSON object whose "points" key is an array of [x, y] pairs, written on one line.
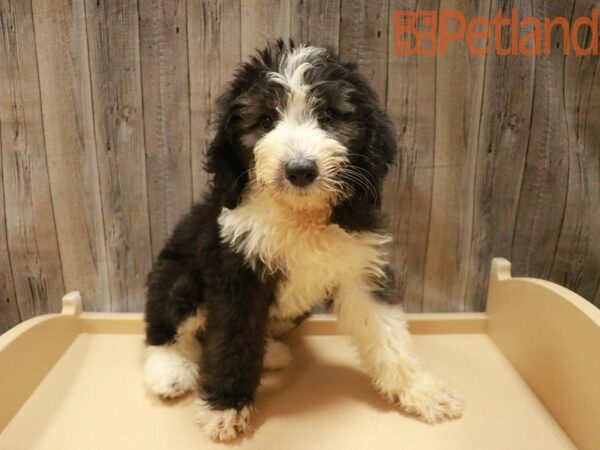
{"points": [[292, 218]]}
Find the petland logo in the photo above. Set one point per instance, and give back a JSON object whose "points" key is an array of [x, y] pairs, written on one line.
{"points": [[428, 33]]}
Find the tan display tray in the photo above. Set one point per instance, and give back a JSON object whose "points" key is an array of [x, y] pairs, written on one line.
{"points": [[529, 368]]}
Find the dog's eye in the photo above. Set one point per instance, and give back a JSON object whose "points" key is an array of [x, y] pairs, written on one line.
{"points": [[233, 120], [266, 122], [327, 116]]}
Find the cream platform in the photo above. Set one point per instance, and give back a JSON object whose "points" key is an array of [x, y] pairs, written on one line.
{"points": [[529, 367]]}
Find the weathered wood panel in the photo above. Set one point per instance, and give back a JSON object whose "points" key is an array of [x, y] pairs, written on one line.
{"points": [[32, 244], [263, 21], [459, 86], [214, 42], [60, 34], [166, 99], [9, 309], [591, 142], [364, 39], [113, 43], [408, 187], [543, 190], [317, 23], [502, 143], [576, 261], [498, 155]]}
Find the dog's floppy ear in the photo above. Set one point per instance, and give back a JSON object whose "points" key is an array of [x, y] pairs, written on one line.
{"points": [[381, 145], [361, 210], [224, 163], [378, 154]]}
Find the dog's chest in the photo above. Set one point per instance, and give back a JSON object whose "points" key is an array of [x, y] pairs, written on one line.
{"points": [[313, 264], [313, 257]]}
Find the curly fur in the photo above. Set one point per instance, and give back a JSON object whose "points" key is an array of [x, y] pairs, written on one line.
{"points": [[258, 253]]}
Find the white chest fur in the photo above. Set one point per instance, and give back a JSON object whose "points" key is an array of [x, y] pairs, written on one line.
{"points": [[315, 257]]}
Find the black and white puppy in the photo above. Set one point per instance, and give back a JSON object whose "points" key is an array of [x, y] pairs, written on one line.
{"points": [[293, 218]]}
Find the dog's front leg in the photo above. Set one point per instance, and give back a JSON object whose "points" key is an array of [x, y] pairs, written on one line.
{"points": [[379, 331], [233, 344]]}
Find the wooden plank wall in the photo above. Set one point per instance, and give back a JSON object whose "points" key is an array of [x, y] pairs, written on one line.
{"points": [[105, 113]]}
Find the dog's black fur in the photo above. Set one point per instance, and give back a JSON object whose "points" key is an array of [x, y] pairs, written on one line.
{"points": [[196, 270]]}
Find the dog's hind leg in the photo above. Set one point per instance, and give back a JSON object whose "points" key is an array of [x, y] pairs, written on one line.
{"points": [[171, 369], [173, 320]]}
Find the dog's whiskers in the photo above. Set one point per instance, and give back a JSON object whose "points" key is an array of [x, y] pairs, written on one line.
{"points": [[361, 181]]}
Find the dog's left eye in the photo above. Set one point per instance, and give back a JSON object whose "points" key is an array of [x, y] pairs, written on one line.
{"points": [[327, 116], [266, 122]]}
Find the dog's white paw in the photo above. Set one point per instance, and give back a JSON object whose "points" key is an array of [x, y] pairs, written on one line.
{"points": [[432, 399], [277, 355], [168, 373], [223, 425]]}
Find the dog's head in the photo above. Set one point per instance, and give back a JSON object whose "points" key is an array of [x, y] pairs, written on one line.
{"points": [[301, 125]]}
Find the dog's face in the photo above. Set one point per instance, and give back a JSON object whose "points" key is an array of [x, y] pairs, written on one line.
{"points": [[302, 126]]}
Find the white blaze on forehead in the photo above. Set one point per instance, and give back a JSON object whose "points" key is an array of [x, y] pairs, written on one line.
{"points": [[297, 134], [292, 67], [290, 75]]}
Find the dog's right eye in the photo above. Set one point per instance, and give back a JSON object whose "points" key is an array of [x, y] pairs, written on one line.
{"points": [[266, 122], [327, 116]]}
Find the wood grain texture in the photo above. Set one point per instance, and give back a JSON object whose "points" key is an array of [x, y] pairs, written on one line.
{"points": [[543, 191], [30, 226], [60, 33], [408, 187], [576, 262], [214, 43], [459, 86], [364, 39], [114, 54], [262, 21], [166, 99], [501, 151], [107, 107], [9, 308], [592, 144], [316, 22]]}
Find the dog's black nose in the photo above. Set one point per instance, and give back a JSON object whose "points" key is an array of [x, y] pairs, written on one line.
{"points": [[301, 172]]}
